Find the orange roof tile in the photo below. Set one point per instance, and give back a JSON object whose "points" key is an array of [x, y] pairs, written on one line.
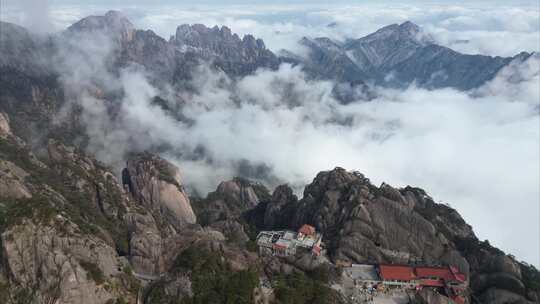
{"points": [[307, 230], [447, 274], [396, 272]]}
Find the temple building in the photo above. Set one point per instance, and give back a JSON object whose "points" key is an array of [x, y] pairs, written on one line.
{"points": [[447, 280], [287, 243]]}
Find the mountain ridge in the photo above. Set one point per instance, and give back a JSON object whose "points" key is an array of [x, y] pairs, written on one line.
{"points": [[386, 57], [399, 55]]}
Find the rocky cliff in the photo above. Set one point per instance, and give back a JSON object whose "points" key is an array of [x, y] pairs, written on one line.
{"points": [[363, 223], [224, 49], [63, 235], [70, 232], [398, 56], [157, 184]]}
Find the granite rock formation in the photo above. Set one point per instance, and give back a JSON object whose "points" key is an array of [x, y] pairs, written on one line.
{"points": [[398, 56], [363, 223]]}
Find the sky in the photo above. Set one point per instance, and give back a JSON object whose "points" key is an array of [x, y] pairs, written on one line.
{"points": [[478, 152], [501, 28]]}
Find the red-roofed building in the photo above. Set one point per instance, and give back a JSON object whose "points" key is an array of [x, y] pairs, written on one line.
{"points": [[448, 274], [432, 272], [396, 273], [458, 299], [431, 283], [288, 243], [459, 276], [449, 281], [283, 248], [307, 230]]}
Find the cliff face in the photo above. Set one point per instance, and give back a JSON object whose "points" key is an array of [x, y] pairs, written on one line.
{"points": [[63, 233], [226, 50], [363, 223], [68, 230], [156, 184], [230, 200], [223, 209]]}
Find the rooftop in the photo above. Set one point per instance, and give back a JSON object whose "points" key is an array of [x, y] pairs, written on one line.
{"points": [[396, 273], [290, 239], [447, 273], [282, 243], [307, 230], [409, 273]]}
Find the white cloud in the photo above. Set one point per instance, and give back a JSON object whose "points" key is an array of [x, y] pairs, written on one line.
{"points": [[480, 154], [35, 15]]}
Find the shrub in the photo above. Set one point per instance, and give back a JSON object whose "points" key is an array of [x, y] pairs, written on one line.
{"points": [[321, 274], [252, 246], [36, 208], [93, 272], [213, 281], [530, 276], [297, 288]]}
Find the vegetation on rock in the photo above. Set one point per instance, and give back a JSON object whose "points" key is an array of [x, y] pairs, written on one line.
{"points": [[212, 279], [298, 288]]}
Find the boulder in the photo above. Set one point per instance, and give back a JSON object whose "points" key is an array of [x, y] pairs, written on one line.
{"points": [[156, 184], [12, 184], [283, 197], [233, 230], [145, 245], [230, 200], [427, 296], [5, 130]]}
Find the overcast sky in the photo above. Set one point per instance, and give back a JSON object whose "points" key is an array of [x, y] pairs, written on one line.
{"points": [[486, 27], [481, 155]]}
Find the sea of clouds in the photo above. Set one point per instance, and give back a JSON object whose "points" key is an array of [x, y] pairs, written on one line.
{"points": [[478, 151]]}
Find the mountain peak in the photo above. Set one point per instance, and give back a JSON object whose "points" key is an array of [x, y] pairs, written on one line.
{"points": [[220, 44], [112, 14], [197, 34], [113, 23], [406, 31], [216, 38], [409, 26]]}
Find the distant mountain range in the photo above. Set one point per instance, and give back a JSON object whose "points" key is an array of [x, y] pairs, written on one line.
{"points": [[394, 56], [398, 56]]}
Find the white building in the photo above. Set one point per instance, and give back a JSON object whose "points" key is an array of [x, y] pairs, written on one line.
{"points": [[287, 243]]}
